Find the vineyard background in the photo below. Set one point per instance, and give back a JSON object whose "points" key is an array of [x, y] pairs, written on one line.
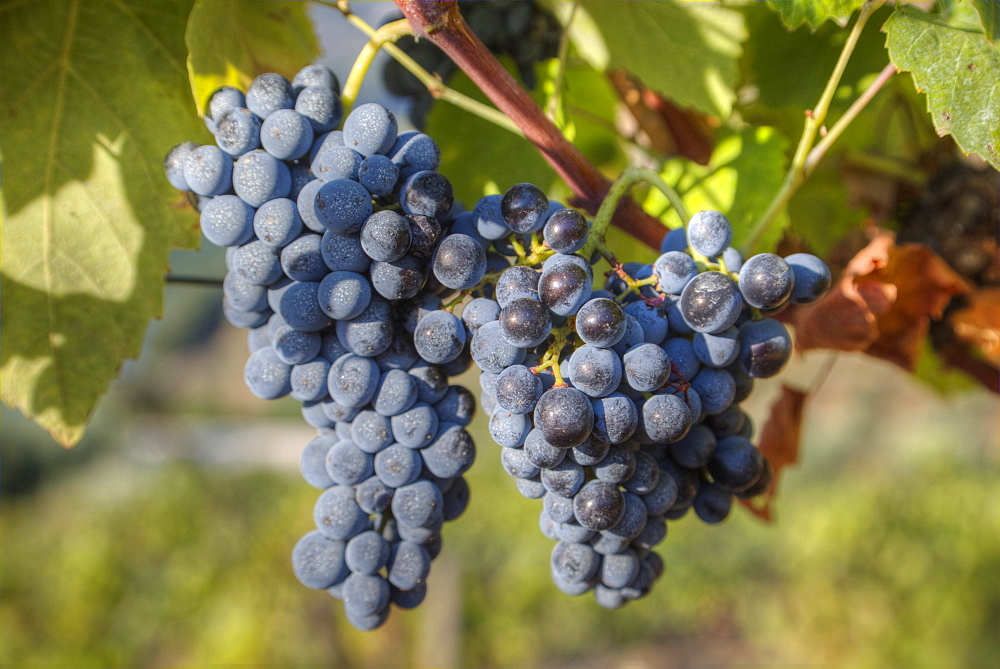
{"points": [[162, 538]]}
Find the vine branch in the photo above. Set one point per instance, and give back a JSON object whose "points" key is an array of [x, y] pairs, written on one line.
{"points": [[441, 22]]}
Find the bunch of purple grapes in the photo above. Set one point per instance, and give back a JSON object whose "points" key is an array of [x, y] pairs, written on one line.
{"points": [[619, 407], [331, 236]]}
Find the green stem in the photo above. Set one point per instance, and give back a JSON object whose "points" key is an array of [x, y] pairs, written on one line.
{"points": [[814, 121], [390, 32], [433, 84], [852, 112], [629, 177]]}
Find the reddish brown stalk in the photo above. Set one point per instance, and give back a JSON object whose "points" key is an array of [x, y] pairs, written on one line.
{"points": [[441, 22]]}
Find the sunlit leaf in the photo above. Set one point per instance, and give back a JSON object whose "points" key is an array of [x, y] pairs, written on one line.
{"points": [[989, 14], [813, 12], [745, 171], [232, 41], [92, 96], [960, 72], [686, 51]]}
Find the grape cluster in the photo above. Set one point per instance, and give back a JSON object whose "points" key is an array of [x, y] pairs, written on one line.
{"points": [[522, 31], [331, 235], [619, 407]]}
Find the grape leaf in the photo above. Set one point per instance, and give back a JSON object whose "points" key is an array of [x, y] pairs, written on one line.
{"points": [[989, 15], [882, 304], [745, 171], [687, 52], [230, 42], [813, 12], [960, 72], [87, 215]]}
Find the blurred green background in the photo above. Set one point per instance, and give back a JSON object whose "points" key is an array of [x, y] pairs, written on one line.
{"points": [[164, 538]]}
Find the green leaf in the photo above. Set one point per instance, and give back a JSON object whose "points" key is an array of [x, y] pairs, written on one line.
{"points": [[687, 52], [813, 12], [960, 72], [745, 171], [232, 41], [92, 96], [989, 14]]}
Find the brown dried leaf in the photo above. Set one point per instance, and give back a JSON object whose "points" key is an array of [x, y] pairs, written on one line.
{"points": [[779, 443], [978, 323], [882, 304]]}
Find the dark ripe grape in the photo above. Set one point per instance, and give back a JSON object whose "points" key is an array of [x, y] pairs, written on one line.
{"points": [[277, 222], [766, 348], [674, 269], [173, 164], [647, 367], [514, 282], [258, 177], [425, 232], [566, 231], [652, 535], [675, 240], [590, 452], [523, 207], [564, 479], [541, 453], [525, 322], [728, 422], [560, 258], [415, 427], [599, 505], [370, 333], [573, 532], [710, 302], [367, 553], [208, 171], [266, 375], [409, 565], [682, 356], [488, 218], [343, 252], [812, 277], [318, 562], [712, 503], [457, 406], [574, 563], [666, 418], [516, 463], [478, 312], [517, 389], [385, 236], [451, 453], [491, 351], [456, 499], [412, 311], [226, 220], [321, 105], [695, 449], [558, 507], [717, 350], [371, 431], [601, 322], [315, 75], [378, 175], [595, 371], [286, 134], [645, 477], [762, 484], [716, 389], [427, 193], [237, 131], [633, 335], [439, 337], [414, 152], [353, 380], [302, 259], [709, 232], [335, 161], [312, 462], [766, 281], [617, 466], [736, 464], [268, 93], [370, 128], [633, 520], [615, 418], [659, 500], [565, 417], [224, 99], [654, 325], [509, 429], [459, 262], [564, 288], [337, 514]]}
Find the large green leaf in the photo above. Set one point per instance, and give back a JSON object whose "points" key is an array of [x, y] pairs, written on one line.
{"points": [[813, 12], [688, 52], [960, 72], [745, 171], [93, 94], [989, 14], [232, 41]]}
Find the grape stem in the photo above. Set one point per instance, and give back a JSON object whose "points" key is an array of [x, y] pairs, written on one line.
{"points": [[629, 177], [806, 156], [561, 337], [442, 23], [433, 84], [390, 32]]}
